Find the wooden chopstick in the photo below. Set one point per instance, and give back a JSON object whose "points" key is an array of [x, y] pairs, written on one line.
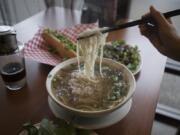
{"points": [[134, 23]]}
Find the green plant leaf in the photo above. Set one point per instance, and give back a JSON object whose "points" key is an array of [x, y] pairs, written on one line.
{"points": [[32, 130]]}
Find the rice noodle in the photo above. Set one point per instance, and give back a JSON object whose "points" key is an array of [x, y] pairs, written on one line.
{"points": [[89, 49]]}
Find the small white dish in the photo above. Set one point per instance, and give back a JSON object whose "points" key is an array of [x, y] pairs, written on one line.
{"points": [[139, 67], [89, 122]]}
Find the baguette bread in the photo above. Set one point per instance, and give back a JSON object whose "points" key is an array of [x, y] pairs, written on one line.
{"points": [[64, 47]]}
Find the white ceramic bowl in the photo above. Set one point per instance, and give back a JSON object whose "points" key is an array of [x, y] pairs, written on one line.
{"points": [[90, 122], [127, 75]]}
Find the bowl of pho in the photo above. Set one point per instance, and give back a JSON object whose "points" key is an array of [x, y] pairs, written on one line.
{"points": [[90, 85]]}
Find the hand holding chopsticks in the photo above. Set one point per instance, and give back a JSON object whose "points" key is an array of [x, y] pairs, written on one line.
{"points": [[134, 23]]}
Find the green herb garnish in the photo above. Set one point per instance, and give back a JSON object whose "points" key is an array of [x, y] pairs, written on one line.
{"points": [[56, 127], [123, 53], [118, 42]]}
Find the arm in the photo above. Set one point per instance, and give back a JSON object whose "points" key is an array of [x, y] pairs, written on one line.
{"points": [[162, 35]]}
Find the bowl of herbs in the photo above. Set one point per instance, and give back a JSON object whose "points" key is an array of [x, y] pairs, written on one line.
{"points": [[124, 53]]}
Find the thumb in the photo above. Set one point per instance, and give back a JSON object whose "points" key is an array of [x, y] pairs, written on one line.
{"points": [[159, 18]]}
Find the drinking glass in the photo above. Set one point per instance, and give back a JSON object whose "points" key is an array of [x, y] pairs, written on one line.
{"points": [[12, 69]]}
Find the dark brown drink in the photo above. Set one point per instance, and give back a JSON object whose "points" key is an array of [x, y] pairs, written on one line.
{"points": [[13, 72]]}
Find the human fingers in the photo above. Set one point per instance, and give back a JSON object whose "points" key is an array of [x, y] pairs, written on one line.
{"points": [[169, 20], [153, 38], [159, 18], [148, 30], [146, 15], [156, 42], [144, 31]]}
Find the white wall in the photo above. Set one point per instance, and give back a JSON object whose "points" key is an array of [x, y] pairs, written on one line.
{"points": [[140, 7], [19, 10]]}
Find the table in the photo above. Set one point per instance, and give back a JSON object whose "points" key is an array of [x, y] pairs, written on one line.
{"points": [[30, 103]]}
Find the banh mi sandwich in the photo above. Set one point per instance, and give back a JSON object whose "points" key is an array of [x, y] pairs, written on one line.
{"points": [[64, 47]]}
